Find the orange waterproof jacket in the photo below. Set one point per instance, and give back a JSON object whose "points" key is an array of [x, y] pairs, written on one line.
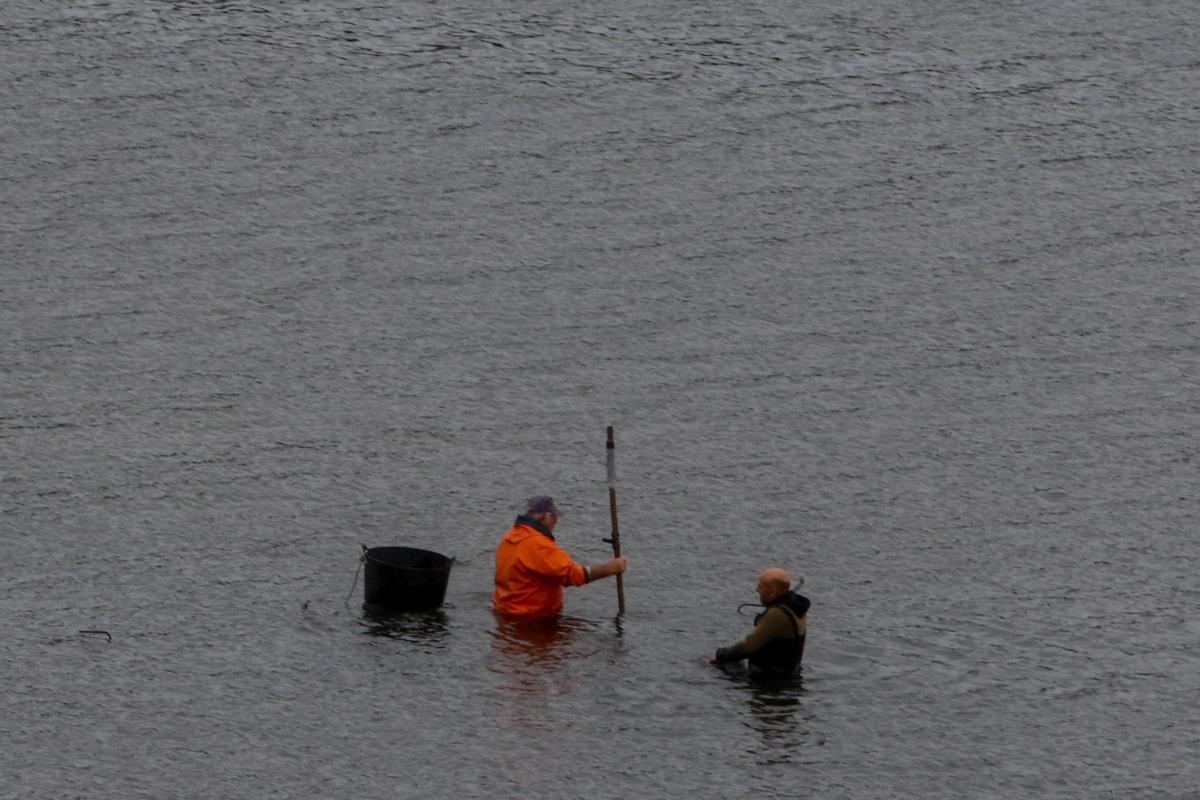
{"points": [[531, 571]]}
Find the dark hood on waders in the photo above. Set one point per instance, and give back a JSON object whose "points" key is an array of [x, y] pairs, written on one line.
{"points": [[798, 603]]}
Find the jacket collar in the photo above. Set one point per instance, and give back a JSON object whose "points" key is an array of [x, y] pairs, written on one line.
{"points": [[798, 603], [530, 522], [788, 598]]}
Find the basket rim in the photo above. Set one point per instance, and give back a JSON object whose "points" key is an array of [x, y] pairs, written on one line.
{"points": [[367, 556]]}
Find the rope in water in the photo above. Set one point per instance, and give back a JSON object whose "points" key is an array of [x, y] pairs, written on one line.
{"points": [[361, 560]]}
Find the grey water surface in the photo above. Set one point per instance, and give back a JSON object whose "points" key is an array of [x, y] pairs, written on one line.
{"points": [[900, 296]]}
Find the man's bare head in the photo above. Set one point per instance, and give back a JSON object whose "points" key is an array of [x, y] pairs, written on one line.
{"points": [[773, 582]]}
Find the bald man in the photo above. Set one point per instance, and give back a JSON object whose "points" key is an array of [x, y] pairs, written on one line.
{"points": [[776, 645]]}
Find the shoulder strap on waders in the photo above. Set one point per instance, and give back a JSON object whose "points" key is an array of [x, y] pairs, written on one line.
{"points": [[791, 615]]}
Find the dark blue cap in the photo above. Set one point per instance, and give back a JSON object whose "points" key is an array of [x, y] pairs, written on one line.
{"points": [[541, 504]]}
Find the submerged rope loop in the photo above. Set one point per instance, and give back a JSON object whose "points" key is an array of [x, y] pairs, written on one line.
{"points": [[361, 560]]}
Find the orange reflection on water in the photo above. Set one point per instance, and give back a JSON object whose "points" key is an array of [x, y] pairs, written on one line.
{"points": [[532, 659], [540, 642]]}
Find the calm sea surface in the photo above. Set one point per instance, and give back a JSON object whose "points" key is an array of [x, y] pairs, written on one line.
{"points": [[901, 296]]}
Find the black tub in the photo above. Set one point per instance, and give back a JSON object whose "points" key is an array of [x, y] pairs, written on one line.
{"points": [[404, 578]]}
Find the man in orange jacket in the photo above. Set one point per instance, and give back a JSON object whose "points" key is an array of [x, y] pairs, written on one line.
{"points": [[531, 569]]}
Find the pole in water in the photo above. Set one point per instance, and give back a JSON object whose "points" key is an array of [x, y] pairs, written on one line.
{"points": [[612, 509]]}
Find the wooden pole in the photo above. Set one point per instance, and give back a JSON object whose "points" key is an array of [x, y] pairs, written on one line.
{"points": [[612, 509]]}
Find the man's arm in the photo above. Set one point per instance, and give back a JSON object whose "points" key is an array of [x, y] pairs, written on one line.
{"points": [[554, 562], [548, 559], [774, 623], [614, 566]]}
